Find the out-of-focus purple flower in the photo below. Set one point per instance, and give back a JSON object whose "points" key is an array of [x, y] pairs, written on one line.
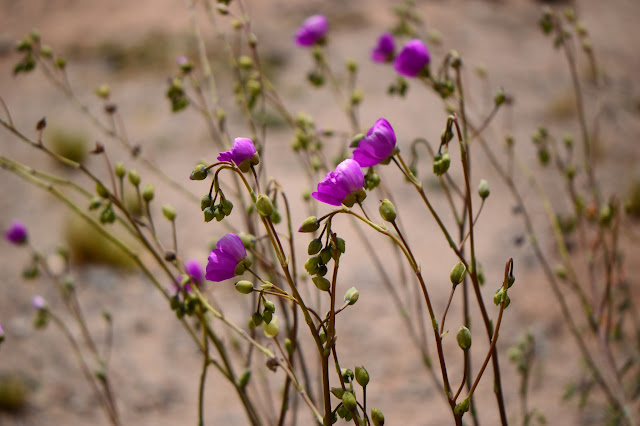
{"points": [[39, 303], [17, 233], [412, 58], [377, 146], [184, 63], [194, 270], [181, 60], [385, 48], [227, 260], [243, 154], [345, 185], [312, 30]]}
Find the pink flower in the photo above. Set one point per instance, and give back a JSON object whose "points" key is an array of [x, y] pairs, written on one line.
{"points": [[385, 49], [345, 185], [39, 303], [312, 30], [243, 154], [377, 146], [17, 233], [227, 260], [412, 58]]}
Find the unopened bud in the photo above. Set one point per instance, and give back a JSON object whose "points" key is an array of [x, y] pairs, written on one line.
{"points": [[457, 273], [464, 338], [362, 376], [148, 192], [387, 210], [349, 401], [199, 172], [245, 62], [314, 247], [499, 97], [377, 417], [289, 346], [226, 207], [101, 190], [351, 296], [119, 170], [322, 283], [510, 280], [312, 265], [248, 240], [264, 205], [103, 91], [483, 189], [310, 224], [272, 328], [209, 214], [244, 286], [169, 212], [205, 201], [134, 177]]}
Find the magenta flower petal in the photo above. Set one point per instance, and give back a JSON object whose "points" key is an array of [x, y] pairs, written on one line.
{"points": [[385, 48], [194, 270], [312, 30], [224, 258], [241, 153], [17, 233], [346, 179], [377, 146], [38, 302], [412, 58]]}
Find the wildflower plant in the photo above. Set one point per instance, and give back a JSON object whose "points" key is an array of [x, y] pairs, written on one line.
{"points": [[290, 270]]}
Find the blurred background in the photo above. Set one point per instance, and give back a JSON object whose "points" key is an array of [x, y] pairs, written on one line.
{"points": [[133, 46]]}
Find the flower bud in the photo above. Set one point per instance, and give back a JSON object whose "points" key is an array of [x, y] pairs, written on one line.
{"points": [[244, 286], [199, 172], [272, 328], [497, 298], [310, 224], [248, 240], [387, 210], [349, 401], [325, 255], [169, 212], [351, 296], [103, 91], [312, 265], [510, 280], [322, 283], [226, 207], [148, 192], [107, 215], [457, 273], [61, 62], [289, 346], [483, 189], [256, 319], [362, 376], [464, 338], [441, 163], [205, 201], [119, 169], [356, 140], [314, 247], [242, 266], [209, 214], [245, 62], [264, 205], [269, 306], [275, 217], [377, 417], [499, 97], [134, 178], [101, 190]]}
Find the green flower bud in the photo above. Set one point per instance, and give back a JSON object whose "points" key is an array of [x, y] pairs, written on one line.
{"points": [[352, 65], [349, 401], [242, 266], [205, 201], [356, 96], [264, 205], [306, 196], [256, 319], [441, 163], [199, 172], [272, 328], [387, 210], [507, 300], [289, 346], [46, 51], [95, 203], [314, 247], [464, 338], [337, 392], [267, 316], [244, 379], [457, 273], [325, 255], [169, 212], [322, 283], [244, 286], [269, 306], [148, 192], [356, 140], [209, 214], [497, 298], [499, 97], [107, 215], [362, 376], [61, 62], [510, 280], [103, 91], [311, 265], [341, 245], [275, 217], [245, 62], [351, 296], [119, 169], [134, 177], [101, 190], [310, 224], [226, 206], [483, 189], [377, 417], [248, 240]]}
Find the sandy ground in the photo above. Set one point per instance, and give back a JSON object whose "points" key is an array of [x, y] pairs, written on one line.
{"points": [[154, 365]]}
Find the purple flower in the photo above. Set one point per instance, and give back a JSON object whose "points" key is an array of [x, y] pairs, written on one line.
{"points": [[377, 146], [345, 185], [312, 30], [17, 233], [412, 58], [227, 260], [39, 303], [243, 154], [384, 50], [181, 60], [194, 270]]}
